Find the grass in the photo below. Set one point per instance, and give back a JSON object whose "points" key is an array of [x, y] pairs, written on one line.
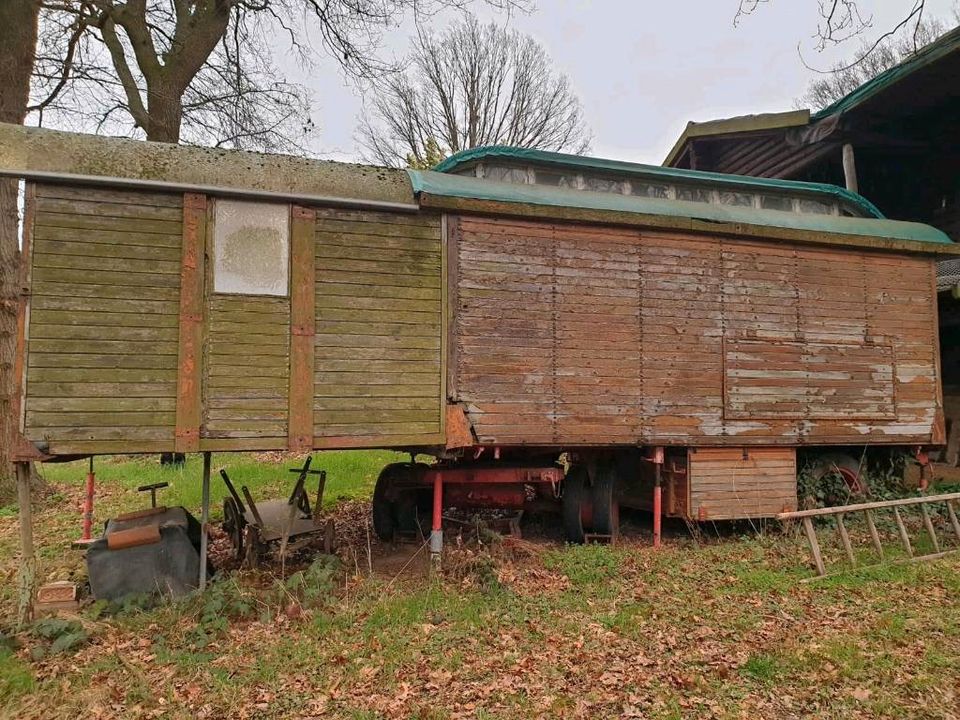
{"points": [[350, 475], [723, 630]]}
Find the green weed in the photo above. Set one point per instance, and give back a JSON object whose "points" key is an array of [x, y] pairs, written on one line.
{"points": [[762, 667], [15, 677]]}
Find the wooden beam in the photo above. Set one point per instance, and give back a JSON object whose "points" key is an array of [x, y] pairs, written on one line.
{"points": [[28, 561], [849, 168], [880, 504], [302, 328], [902, 529], [189, 361], [18, 384], [814, 545]]}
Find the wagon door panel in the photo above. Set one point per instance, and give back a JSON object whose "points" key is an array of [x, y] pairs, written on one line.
{"points": [[379, 329], [247, 325], [728, 483], [547, 332]]}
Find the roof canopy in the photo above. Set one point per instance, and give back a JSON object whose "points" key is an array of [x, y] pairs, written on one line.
{"points": [[779, 144], [524, 156]]}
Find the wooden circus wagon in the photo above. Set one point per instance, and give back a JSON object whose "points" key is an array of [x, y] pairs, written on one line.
{"points": [[552, 329]]}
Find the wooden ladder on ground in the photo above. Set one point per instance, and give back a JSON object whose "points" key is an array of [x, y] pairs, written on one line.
{"points": [[806, 516]]}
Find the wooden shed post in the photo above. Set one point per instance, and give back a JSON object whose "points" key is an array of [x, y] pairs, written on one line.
{"points": [[303, 288], [849, 168], [189, 361], [657, 495], [204, 520], [28, 561]]}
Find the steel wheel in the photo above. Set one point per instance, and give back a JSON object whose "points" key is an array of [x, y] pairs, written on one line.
{"points": [[849, 470], [233, 524]]}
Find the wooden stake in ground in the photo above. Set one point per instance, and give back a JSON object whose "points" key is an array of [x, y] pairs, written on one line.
{"points": [[28, 562]]}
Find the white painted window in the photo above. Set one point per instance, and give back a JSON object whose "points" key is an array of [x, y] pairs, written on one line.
{"points": [[251, 248]]}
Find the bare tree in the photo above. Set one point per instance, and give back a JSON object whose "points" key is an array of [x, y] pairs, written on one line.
{"points": [[202, 70], [471, 85], [18, 39], [843, 20], [870, 60], [170, 69]]}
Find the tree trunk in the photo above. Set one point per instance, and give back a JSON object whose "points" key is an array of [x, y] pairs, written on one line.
{"points": [[18, 44], [165, 112]]}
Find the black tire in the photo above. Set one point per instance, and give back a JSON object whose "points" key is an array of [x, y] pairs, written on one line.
{"points": [[606, 503], [394, 510], [574, 495], [382, 507]]}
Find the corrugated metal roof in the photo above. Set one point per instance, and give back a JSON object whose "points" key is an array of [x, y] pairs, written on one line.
{"points": [[657, 173], [459, 186]]}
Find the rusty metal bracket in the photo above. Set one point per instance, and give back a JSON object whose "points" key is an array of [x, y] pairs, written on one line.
{"points": [[23, 450]]}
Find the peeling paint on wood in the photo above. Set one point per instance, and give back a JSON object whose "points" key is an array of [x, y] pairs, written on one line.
{"points": [[589, 335]]}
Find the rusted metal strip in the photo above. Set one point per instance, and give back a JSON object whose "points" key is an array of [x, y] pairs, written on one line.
{"points": [[302, 327], [458, 430], [189, 363]]}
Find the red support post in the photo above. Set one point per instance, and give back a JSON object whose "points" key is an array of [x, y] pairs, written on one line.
{"points": [[436, 531], [88, 506]]}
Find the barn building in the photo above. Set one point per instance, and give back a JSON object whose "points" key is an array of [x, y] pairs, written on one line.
{"points": [[895, 140]]}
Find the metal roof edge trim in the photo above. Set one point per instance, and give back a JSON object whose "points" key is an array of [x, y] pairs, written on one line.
{"points": [[458, 186], [654, 172], [29, 151]]}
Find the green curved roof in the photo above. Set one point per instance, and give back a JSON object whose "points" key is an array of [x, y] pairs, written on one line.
{"points": [[657, 173], [442, 184]]}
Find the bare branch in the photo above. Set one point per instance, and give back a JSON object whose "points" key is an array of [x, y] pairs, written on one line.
{"points": [[471, 85]]}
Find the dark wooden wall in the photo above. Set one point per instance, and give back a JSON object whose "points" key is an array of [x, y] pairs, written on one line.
{"points": [[585, 335]]}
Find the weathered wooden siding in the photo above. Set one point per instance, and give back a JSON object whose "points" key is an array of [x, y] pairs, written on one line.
{"points": [[378, 363], [582, 335], [102, 348], [246, 368], [728, 483]]}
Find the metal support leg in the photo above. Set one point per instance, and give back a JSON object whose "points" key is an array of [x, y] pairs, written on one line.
{"points": [[436, 530], [28, 562], [204, 519]]}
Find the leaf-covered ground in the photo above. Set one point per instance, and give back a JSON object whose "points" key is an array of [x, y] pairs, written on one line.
{"points": [[721, 628]]}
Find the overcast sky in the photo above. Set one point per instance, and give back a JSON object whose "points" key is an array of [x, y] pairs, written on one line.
{"points": [[642, 68]]}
